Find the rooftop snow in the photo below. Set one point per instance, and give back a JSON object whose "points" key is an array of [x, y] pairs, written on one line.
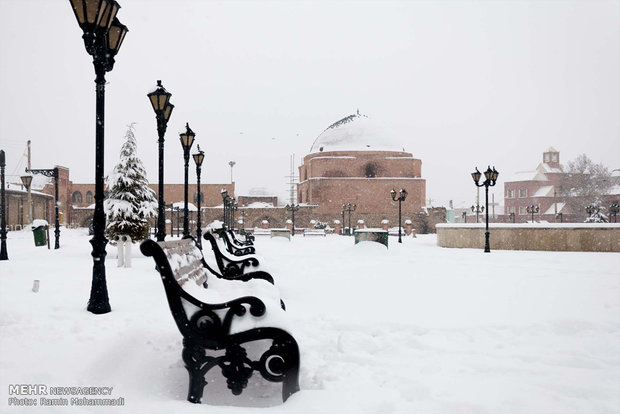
{"points": [[355, 133]]}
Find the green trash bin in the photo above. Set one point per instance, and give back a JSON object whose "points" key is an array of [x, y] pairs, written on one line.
{"points": [[40, 235]]}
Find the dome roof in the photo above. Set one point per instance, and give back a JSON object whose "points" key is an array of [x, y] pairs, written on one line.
{"points": [[355, 133]]}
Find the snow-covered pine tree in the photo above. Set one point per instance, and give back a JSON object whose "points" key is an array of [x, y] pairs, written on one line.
{"points": [[130, 202]]}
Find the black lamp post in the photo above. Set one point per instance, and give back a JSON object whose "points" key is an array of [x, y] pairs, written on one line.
{"points": [[27, 182], [613, 211], [160, 99], [3, 252], [187, 140], [293, 208], [233, 206], [512, 216], [532, 210], [103, 37], [343, 210], [400, 199], [350, 208], [477, 209], [490, 176], [560, 216], [464, 214], [198, 159], [53, 172], [225, 198], [242, 221]]}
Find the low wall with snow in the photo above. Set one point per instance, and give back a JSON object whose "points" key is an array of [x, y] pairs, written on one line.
{"points": [[580, 237]]}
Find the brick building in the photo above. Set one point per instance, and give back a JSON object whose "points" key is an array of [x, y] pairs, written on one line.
{"points": [[355, 161], [541, 187]]}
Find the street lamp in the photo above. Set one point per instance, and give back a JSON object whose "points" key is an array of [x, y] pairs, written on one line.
{"points": [[232, 206], [103, 37], [225, 198], [160, 100], [477, 209], [512, 216], [532, 210], [53, 172], [613, 211], [27, 182], [464, 214], [3, 252], [198, 159], [187, 140], [490, 176], [293, 208], [400, 199], [232, 164], [349, 207]]}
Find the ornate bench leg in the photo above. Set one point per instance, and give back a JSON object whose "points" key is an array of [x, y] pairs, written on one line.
{"points": [[197, 365]]}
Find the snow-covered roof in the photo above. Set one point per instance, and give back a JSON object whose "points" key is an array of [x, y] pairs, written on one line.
{"points": [[546, 191], [546, 168], [555, 207], [551, 149], [259, 204], [527, 176], [355, 133], [181, 205]]}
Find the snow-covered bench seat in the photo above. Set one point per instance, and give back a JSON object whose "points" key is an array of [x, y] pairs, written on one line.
{"points": [[218, 314], [314, 232], [229, 265]]}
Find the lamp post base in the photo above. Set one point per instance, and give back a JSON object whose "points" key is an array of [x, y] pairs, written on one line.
{"points": [[487, 248]]}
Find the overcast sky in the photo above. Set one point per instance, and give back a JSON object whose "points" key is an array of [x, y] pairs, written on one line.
{"points": [[459, 83]]}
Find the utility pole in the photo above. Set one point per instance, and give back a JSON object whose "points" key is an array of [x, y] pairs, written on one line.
{"points": [[29, 189]]}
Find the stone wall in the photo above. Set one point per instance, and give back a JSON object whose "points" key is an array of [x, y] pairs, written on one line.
{"points": [[584, 237]]}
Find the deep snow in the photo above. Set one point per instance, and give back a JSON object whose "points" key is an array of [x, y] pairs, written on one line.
{"points": [[410, 329]]}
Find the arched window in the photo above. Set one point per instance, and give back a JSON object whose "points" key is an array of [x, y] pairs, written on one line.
{"points": [[370, 171], [77, 197], [89, 197], [202, 197]]}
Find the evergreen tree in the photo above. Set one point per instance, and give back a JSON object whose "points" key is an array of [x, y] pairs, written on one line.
{"points": [[131, 202]]}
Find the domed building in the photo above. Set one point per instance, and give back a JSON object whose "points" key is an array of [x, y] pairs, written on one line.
{"points": [[356, 161]]}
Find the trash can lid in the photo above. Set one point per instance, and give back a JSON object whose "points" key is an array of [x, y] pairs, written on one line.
{"points": [[39, 223]]}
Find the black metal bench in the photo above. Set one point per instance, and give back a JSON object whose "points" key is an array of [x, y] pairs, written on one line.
{"points": [[229, 265], [233, 245], [217, 314]]}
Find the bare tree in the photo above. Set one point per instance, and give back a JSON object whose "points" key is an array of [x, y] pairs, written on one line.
{"points": [[584, 183]]}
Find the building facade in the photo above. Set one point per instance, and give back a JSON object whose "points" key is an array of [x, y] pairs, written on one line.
{"points": [[355, 161]]}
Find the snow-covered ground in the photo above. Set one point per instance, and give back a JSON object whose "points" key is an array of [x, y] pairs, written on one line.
{"points": [[410, 329]]}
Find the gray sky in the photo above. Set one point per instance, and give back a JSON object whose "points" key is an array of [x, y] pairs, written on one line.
{"points": [[459, 83]]}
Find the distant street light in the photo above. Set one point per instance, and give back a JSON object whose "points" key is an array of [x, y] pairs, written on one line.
{"points": [[293, 208], [532, 210], [198, 159], [225, 198], [464, 215], [27, 182], [400, 199], [232, 164], [613, 211], [160, 99], [512, 216], [350, 208], [477, 209], [53, 173], [490, 176], [187, 140]]}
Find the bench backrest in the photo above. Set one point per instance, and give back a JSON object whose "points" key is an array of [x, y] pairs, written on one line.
{"points": [[185, 261]]}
